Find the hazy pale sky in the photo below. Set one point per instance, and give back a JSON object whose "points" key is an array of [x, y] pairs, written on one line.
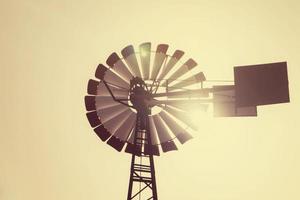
{"points": [[49, 50]]}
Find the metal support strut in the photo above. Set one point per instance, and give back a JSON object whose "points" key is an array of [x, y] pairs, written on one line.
{"points": [[142, 183]]}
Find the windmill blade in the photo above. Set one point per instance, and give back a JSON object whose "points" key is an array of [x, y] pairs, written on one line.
{"points": [[92, 87], [125, 129], [187, 66], [90, 103], [152, 150], [171, 63], [99, 88], [163, 132], [102, 132], [164, 135], [130, 139], [114, 124], [130, 58], [116, 143], [197, 78], [114, 79], [107, 114], [153, 131], [145, 53], [103, 73], [131, 147], [168, 146], [100, 71], [181, 116], [93, 118], [159, 58], [117, 92], [103, 102], [184, 137], [175, 127], [115, 62]]}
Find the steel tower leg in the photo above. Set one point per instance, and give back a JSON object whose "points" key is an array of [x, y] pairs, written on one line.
{"points": [[142, 182]]}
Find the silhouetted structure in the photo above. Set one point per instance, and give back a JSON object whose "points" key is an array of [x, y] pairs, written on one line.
{"points": [[145, 108]]}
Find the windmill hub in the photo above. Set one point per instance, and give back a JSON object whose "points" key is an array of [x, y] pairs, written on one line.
{"points": [[139, 95]]}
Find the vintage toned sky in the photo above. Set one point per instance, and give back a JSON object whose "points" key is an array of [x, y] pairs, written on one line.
{"points": [[49, 49]]}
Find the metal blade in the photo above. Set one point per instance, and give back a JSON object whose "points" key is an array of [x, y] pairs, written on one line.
{"points": [[114, 79], [152, 150], [181, 115], [107, 114], [197, 78], [125, 129], [90, 103], [105, 102], [131, 148], [153, 131], [103, 73], [159, 58], [92, 87], [187, 66], [136, 149], [171, 63], [162, 129], [130, 58], [116, 143], [116, 122], [168, 146], [131, 136], [183, 137], [115, 62], [173, 126], [100, 71], [93, 118], [117, 92], [102, 133], [145, 53]]}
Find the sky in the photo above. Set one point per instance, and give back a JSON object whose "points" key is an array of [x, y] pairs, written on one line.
{"points": [[49, 50]]}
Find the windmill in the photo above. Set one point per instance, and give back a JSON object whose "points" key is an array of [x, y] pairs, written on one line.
{"points": [[138, 103]]}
